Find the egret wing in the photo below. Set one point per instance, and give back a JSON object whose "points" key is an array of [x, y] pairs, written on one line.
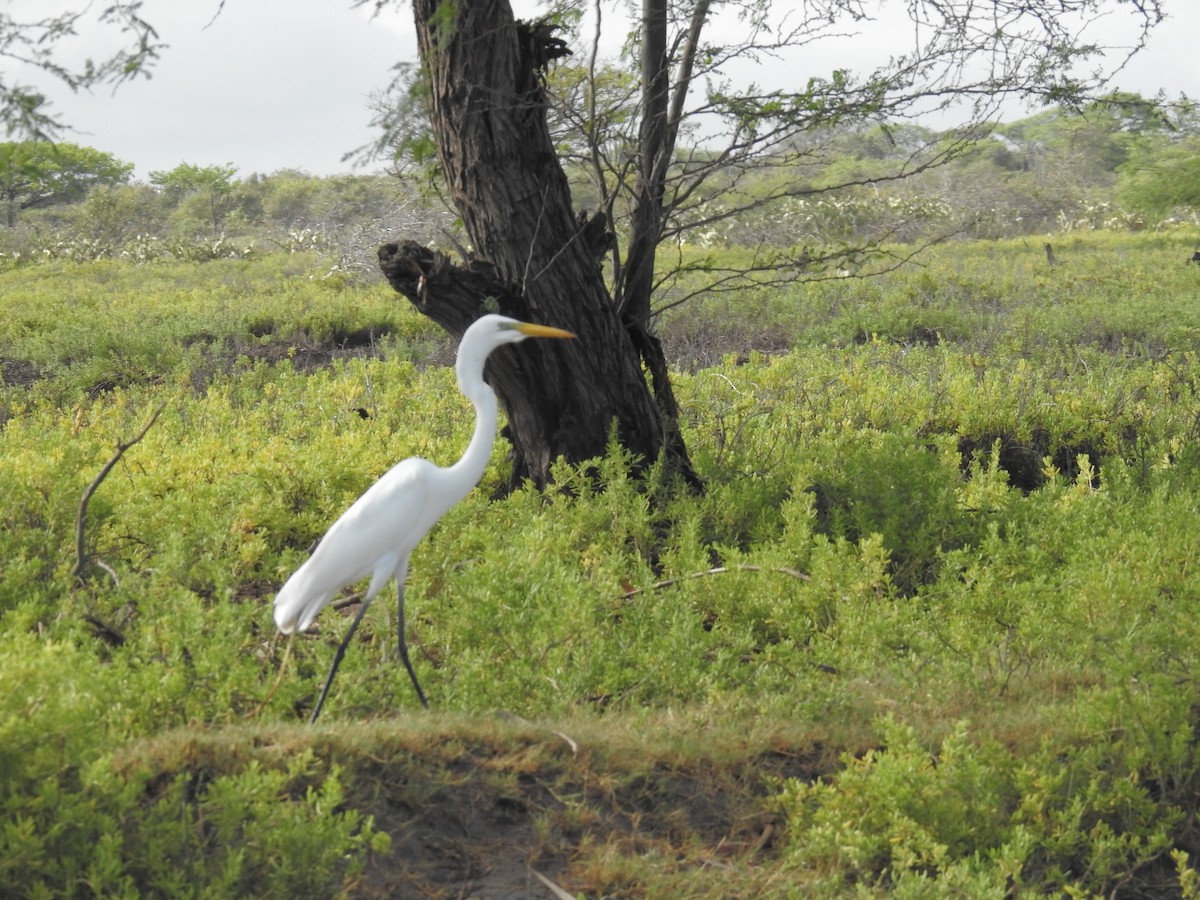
{"points": [[370, 538]]}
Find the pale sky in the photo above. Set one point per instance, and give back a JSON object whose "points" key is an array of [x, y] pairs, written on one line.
{"points": [[275, 84]]}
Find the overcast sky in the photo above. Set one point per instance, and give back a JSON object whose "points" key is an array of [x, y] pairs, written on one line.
{"points": [[277, 84]]}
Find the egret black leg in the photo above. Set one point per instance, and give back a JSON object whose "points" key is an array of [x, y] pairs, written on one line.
{"points": [[403, 645], [337, 659]]}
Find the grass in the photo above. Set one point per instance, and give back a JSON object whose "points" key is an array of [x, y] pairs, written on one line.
{"points": [[930, 632], [106, 324], [1124, 293]]}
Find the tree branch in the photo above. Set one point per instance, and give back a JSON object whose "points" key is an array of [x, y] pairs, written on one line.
{"points": [[81, 559]]}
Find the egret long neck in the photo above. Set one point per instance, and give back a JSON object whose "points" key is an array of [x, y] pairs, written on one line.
{"points": [[469, 369], [473, 463]]}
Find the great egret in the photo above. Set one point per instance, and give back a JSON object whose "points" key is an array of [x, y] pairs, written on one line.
{"points": [[378, 532]]}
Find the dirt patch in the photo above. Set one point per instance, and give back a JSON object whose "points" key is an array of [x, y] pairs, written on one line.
{"points": [[305, 354], [487, 835], [486, 810], [1024, 459], [19, 372], [692, 344]]}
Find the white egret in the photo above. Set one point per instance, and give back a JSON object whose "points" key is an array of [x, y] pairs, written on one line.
{"points": [[378, 532]]}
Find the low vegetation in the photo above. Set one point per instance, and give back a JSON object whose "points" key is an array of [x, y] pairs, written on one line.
{"points": [[929, 632]]}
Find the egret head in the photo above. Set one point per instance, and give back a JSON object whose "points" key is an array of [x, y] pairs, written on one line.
{"points": [[493, 330], [485, 335]]}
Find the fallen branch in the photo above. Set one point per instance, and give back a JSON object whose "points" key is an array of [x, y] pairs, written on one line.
{"points": [[81, 560], [719, 570]]}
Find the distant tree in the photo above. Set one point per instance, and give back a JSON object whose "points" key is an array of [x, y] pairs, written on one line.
{"points": [[37, 173], [24, 110], [1162, 177], [116, 215], [1161, 173], [288, 197], [1039, 171], [213, 185]]}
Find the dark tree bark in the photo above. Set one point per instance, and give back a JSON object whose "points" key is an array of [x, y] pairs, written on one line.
{"points": [[533, 257], [656, 144]]}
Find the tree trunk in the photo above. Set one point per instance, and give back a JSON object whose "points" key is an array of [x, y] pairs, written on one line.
{"points": [[656, 145], [532, 259]]}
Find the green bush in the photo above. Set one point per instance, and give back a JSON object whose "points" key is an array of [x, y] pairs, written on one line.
{"points": [[996, 529], [976, 820]]}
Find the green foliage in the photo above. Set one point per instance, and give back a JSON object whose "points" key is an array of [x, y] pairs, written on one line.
{"points": [[1116, 166], [1122, 294], [76, 825], [966, 561], [187, 179], [53, 704], [202, 194], [180, 323], [204, 213], [117, 216], [1163, 179], [976, 820], [37, 173], [259, 832]]}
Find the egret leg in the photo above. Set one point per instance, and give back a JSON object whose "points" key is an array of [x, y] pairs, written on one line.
{"points": [[337, 660], [403, 645]]}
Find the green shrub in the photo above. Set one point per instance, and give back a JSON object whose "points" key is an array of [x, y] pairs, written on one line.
{"points": [[976, 819], [996, 529]]}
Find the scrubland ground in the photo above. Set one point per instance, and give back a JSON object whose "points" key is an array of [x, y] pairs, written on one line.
{"points": [[931, 631]]}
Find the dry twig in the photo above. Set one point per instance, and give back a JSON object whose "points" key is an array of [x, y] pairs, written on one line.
{"points": [[557, 891], [719, 570], [81, 560]]}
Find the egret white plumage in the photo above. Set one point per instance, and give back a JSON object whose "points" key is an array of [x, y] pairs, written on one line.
{"points": [[376, 535]]}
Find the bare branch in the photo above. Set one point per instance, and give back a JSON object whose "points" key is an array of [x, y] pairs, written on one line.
{"points": [[81, 558], [24, 109]]}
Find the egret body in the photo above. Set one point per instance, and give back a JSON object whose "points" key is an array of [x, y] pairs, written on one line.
{"points": [[376, 535]]}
